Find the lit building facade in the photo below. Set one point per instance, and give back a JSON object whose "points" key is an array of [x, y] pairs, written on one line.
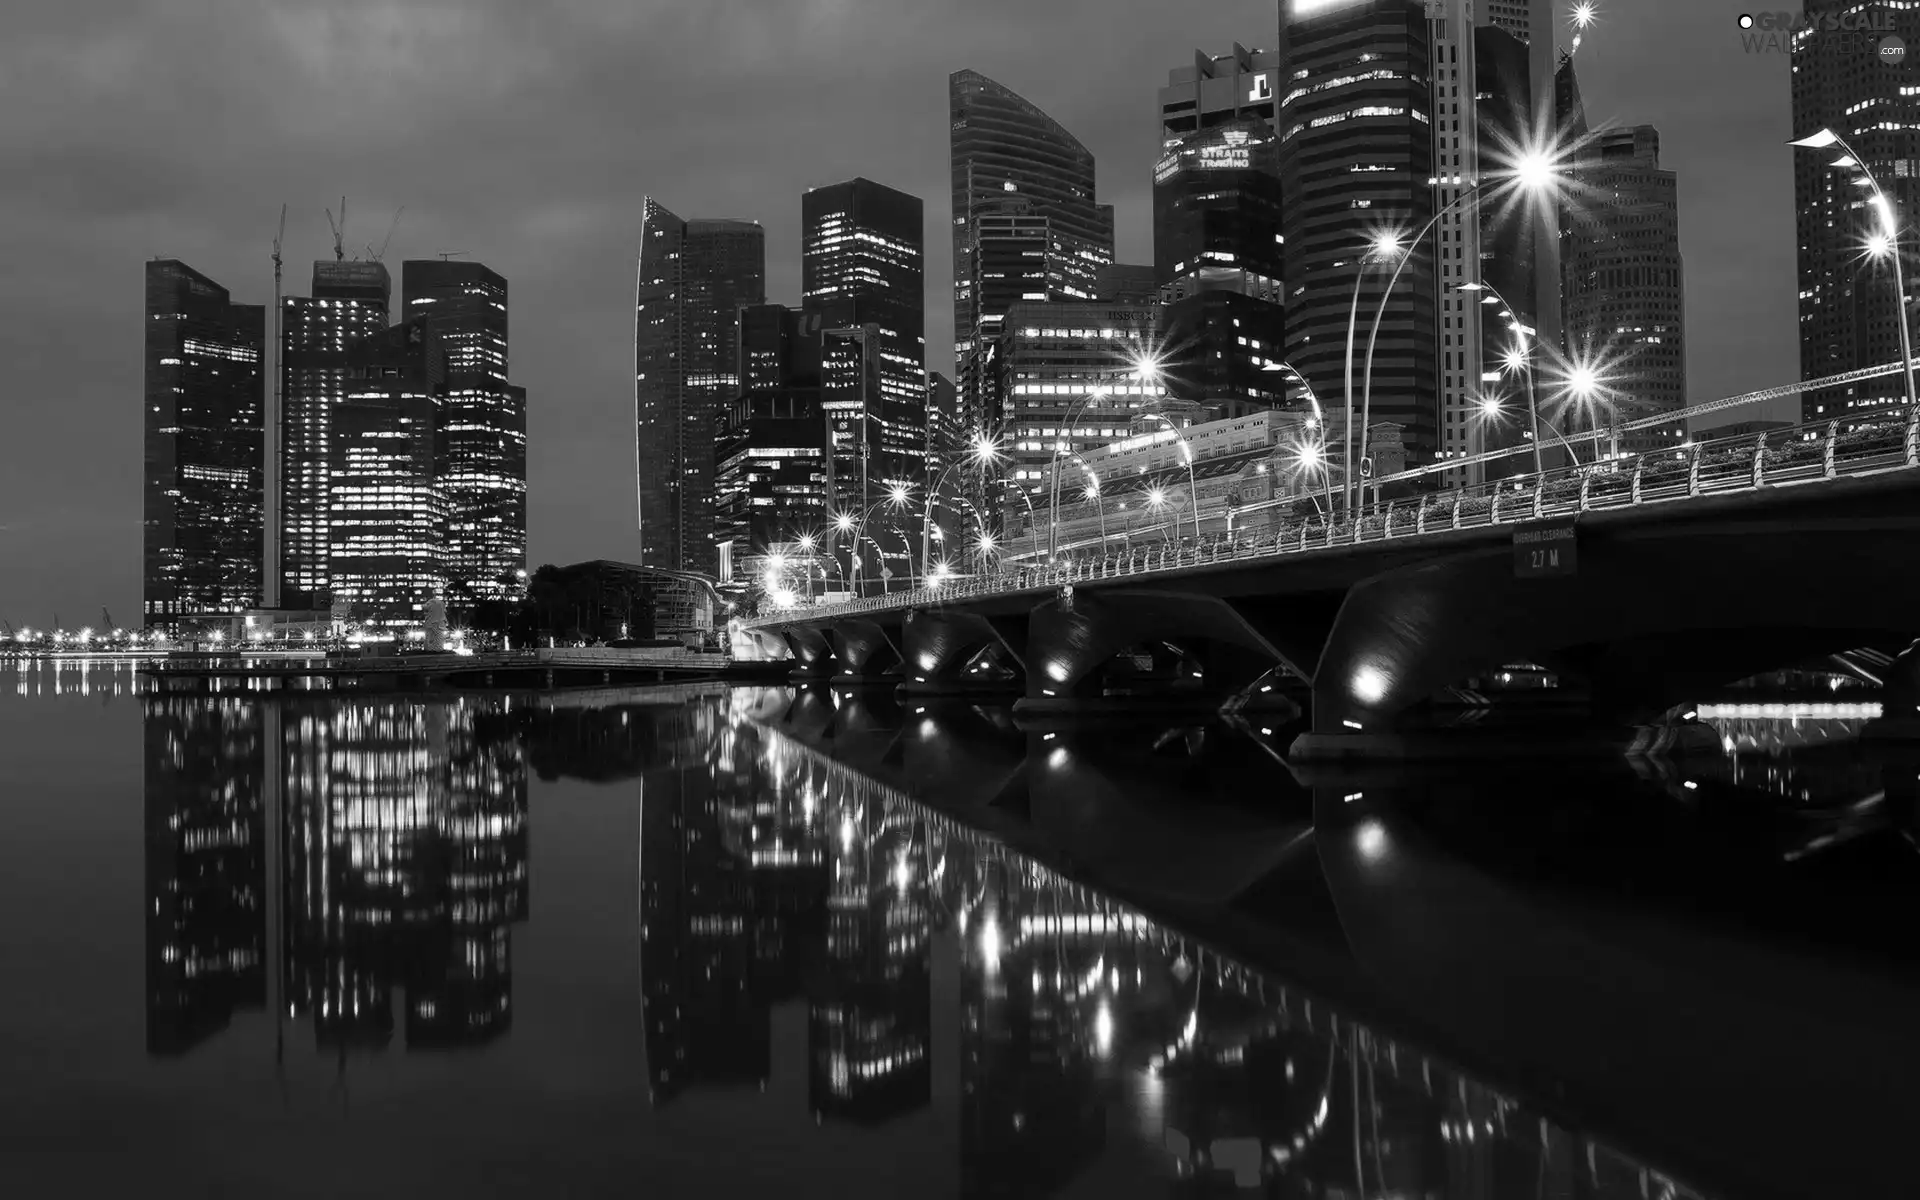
{"points": [[1021, 182], [1356, 154], [386, 512], [694, 277], [482, 449], [203, 504], [863, 287], [1625, 298], [1218, 256], [1848, 308], [1066, 376], [349, 303]]}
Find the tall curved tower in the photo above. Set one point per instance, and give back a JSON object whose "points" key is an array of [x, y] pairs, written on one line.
{"points": [[1017, 165]]}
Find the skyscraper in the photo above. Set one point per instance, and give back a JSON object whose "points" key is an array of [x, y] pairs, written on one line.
{"points": [[386, 513], [1848, 305], [1014, 165], [863, 286], [204, 414], [694, 277], [1217, 252], [481, 452], [1356, 154], [1228, 88], [770, 469], [349, 303], [1624, 298]]}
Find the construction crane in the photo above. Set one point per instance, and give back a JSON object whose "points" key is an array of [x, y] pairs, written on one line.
{"points": [[339, 228], [106, 619], [377, 255], [270, 551], [446, 255]]}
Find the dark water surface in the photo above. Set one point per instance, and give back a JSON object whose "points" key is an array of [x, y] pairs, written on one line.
{"points": [[711, 943]]}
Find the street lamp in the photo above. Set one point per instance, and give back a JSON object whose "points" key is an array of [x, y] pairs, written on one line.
{"points": [[1384, 246], [1888, 236], [1533, 172], [1523, 349], [983, 454], [1186, 453], [1319, 414]]}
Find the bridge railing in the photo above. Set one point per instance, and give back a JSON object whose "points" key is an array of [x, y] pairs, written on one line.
{"points": [[1806, 453]]}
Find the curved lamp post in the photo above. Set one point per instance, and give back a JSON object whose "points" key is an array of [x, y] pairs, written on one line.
{"points": [[1885, 244], [1525, 345], [983, 454], [1384, 246], [896, 498], [1533, 172], [1319, 414], [1093, 493], [1186, 452]]}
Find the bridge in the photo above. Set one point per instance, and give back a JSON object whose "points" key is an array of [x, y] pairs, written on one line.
{"points": [[1647, 578]]}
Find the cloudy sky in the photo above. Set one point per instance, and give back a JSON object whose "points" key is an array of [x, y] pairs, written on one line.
{"points": [[527, 131]]}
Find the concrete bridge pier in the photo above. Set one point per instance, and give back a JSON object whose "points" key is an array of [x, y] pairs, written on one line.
{"points": [[811, 650], [866, 651], [962, 654], [1083, 652]]}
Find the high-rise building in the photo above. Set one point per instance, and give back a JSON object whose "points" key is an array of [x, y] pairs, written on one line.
{"points": [[694, 277], [1217, 249], [770, 468], [1066, 375], [1356, 155], [1848, 304], [204, 414], [863, 287], [386, 513], [1393, 111], [1227, 88], [1624, 302], [349, 303], [482, 447], [1126, 283], [1021, 184]]}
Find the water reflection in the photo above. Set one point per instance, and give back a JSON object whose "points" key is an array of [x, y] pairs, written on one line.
{"points": [[358, 865], [375, 852]]}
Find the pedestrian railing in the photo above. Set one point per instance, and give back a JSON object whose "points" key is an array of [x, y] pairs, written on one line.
{"points": [[1793, 455]]}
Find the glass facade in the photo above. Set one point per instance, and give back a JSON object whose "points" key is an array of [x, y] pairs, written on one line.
{"points": [[481, 454], [1848, 317], [1010, 160], [694, 277], [863, 287], [1356, 154], [349, 303], [386, 515], [204, 416]]}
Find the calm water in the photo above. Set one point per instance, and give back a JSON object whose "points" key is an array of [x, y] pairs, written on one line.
{"points": [[700, 943]]}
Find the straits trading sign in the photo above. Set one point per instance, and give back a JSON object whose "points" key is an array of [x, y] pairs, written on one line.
{"points": [[1230, 153]]}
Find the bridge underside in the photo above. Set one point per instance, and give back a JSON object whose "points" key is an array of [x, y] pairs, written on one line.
{"points": [[1655, 615]]}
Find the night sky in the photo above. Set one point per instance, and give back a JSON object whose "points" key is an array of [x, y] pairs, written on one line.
{"points": [[527, 131]]}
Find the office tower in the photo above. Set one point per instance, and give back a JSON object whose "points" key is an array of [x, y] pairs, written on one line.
{"points": [[770, 468], [1217, 253], [863, 287], [1356, 154], [204, 413], [1065, 375], [694, 277], [1019, 180], [481, 455], [1228, 88], [1848, 304], [386, 513], [349, 303], [1624, 304]]}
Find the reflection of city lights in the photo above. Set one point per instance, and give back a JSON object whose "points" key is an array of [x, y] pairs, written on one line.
{"points": [[902, 876], [1103, 1030], [846, 833], [990, 942]]}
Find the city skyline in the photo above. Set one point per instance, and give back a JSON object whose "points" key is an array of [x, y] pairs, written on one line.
{"points": [[79, 528]]}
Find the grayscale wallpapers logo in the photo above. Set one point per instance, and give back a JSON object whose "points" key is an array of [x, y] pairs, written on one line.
{"points": [[1868, 33]]}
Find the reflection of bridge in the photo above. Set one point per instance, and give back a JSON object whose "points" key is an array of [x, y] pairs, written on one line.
{"points": [[1647, 587], [576, 665], [1071, 998]]}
